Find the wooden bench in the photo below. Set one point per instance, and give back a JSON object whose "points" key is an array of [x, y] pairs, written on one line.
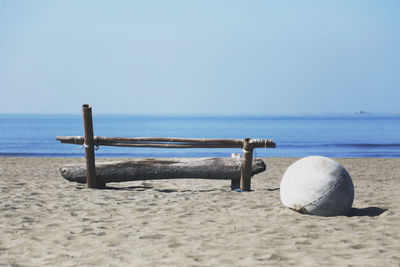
{"points": [[239, 171]]}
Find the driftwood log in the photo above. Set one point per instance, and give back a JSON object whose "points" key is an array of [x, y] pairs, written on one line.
{"points": [[170, 168]]}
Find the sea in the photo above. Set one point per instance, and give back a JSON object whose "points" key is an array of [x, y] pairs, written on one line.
{"points": [[344, 135]]}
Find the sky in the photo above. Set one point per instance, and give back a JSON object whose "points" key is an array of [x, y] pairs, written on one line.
{"points": [[199, 57]]}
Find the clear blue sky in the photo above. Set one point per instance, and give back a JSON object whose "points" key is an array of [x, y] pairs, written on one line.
{"points": [[210, 56]]}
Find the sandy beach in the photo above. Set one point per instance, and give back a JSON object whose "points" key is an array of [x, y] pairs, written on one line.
{"points": [[48, 221]]}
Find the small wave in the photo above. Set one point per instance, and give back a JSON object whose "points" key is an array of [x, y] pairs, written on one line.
{"points": [[360, 145], [367, 145], [50, 155]]}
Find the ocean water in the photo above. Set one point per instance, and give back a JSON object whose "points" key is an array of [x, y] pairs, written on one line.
{"points": [[358, 135]]}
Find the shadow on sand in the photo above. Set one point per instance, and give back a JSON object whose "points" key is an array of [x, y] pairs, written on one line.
{"points": [[143, 188], [139, 188], [370, 212]]}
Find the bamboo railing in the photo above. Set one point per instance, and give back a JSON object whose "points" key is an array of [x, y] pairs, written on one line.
{"points": [[167, 142]]}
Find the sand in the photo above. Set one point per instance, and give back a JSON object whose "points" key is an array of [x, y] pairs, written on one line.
{"points": [[46, 220]]}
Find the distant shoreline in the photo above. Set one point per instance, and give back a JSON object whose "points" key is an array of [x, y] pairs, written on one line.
{"points": [[227, 115], [119, 156]]}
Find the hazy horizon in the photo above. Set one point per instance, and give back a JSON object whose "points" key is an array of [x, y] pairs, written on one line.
{"points": [[282, 114]]}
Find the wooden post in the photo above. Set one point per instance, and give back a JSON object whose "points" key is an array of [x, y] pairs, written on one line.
{"points": [[245, 179], [91, 180]]}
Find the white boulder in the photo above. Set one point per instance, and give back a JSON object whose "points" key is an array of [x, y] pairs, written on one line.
{"points": [[317, 185]]}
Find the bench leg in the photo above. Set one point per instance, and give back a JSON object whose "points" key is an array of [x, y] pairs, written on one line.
{"points": [[91, 180], [245, 179]]}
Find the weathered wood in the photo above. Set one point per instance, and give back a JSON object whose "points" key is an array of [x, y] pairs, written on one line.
{"points": [[170, 168], [165, 145], [168, 142], [245, 179], [91, 180]]}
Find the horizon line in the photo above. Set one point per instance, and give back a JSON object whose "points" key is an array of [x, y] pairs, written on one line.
{"points": [[295, 114]]}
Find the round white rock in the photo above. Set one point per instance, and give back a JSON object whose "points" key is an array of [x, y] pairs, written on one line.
{"points": [[317, 185]]}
